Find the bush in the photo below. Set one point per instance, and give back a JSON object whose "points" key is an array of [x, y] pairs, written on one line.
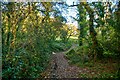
{"points": [[23, 64]]}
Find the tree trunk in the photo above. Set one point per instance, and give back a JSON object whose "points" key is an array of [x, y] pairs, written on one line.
{"points": [[82, 17], [95, 46], [80, 37]]}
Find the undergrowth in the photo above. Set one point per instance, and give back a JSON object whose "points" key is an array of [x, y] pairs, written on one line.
{"points": [[104, 68]]}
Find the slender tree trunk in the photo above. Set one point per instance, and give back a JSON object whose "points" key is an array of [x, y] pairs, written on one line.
{"points": [[8, 35], [80, 37], [82, 17], [117, 27]]}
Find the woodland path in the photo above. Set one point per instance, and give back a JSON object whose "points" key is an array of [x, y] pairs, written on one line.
{"points": [[60, 68]]}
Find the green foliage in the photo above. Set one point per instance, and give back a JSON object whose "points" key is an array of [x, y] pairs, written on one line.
{"points": [[59, 46], [24, 63], [64, 35], [78, 55], [29, 38]]}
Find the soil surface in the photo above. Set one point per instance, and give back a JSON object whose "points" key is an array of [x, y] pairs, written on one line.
{"points": [[60, 68]]}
